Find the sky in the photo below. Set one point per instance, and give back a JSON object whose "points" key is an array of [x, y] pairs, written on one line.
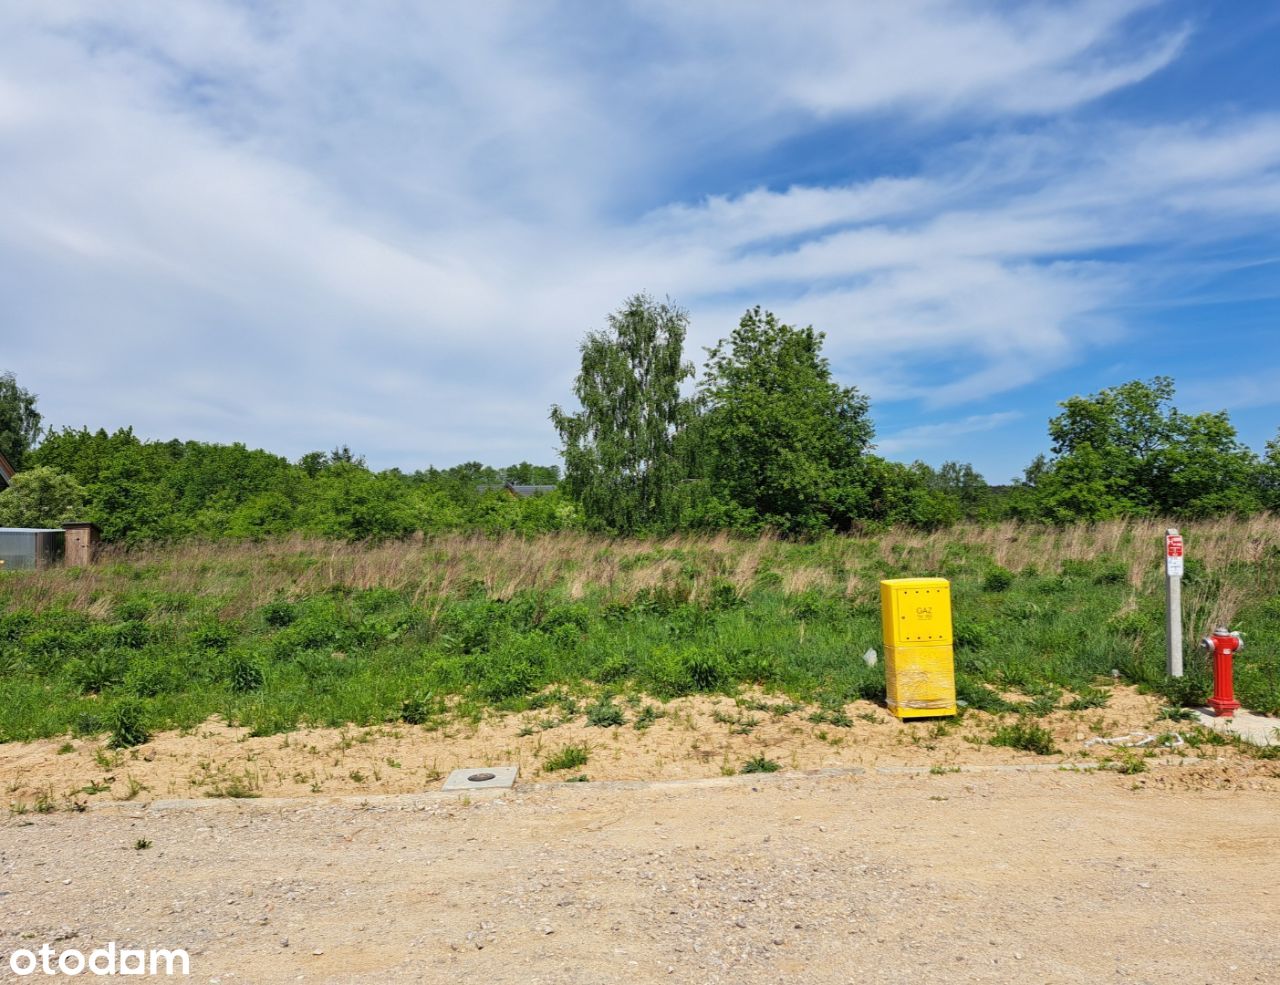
{"points": [[390, 224]]}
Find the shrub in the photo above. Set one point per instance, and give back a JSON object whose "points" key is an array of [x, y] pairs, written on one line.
{"points": [[127, 725], [244, 674], [998, 580], [279, 614], [1025, 736]]}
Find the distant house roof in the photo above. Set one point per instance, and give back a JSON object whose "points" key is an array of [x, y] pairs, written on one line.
{"points": [[6, 472]]}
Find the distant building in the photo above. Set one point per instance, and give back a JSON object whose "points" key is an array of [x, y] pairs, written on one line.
{"points": [[6, 473]]}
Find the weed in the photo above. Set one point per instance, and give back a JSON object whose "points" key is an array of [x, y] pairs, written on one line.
{"points": [[646, 717], [1026, 737], [65, 748], [106, 760], [566, 758], [1089, 697], [127, 725], [760, 764], [244, 675], [605, 714], [1127, 764], [242, 787], [141, 845]]}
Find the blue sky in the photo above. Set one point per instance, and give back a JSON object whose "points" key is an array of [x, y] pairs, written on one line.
{"points": [[389, 224]]}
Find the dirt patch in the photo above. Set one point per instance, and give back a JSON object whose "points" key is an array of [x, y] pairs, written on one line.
{"points": [[689, 738], [1052, 877]]}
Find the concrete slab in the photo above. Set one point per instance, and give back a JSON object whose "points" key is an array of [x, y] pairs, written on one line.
{"points": [[1259, 730], [482, 778]]}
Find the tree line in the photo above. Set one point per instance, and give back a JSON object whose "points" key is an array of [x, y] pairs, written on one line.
{"points": [[764, 437], [767, 438]]}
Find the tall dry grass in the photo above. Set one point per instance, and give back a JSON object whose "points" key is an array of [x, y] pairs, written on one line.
{"points": [[245, 576]]}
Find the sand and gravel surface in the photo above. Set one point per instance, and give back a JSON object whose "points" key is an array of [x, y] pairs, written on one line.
{"points": [[987, 876]]}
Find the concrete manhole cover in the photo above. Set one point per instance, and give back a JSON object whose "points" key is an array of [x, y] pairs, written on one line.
{"points": [[482, 778]]}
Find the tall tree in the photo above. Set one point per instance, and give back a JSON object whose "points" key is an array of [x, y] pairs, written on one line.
{"points": [[621, 460], [782, 439], [19, 420]]}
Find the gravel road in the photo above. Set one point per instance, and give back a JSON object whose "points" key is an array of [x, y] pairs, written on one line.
{"points": [[991, 877]]}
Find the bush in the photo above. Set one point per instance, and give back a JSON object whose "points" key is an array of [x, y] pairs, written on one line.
{"points": [[244, 675], [998, 580], [279, 614]]}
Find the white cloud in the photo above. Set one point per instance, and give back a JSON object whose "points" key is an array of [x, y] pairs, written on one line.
{"points": [[925, 437], [303, 225]]}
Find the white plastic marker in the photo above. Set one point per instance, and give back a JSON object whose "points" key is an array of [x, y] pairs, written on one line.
{"points": [[1173, 564]]}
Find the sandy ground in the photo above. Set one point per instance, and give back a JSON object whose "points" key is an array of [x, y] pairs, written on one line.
{"points": [[696, 737], [1049, 877]]}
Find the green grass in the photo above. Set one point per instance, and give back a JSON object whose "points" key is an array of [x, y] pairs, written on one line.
{"points": [[277, 635]]}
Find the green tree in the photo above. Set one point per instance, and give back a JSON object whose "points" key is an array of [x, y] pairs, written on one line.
{"points": [[782, 440], [347, 500], [41, 497], [621, 455], [1127, 451], [1269, 475], [19, 421]]}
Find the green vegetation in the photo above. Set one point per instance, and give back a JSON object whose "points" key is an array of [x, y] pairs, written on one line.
{"points": [[567, 758], [274, 635], [19, 421], [622, 462], [1025, 736], [759, 764]]}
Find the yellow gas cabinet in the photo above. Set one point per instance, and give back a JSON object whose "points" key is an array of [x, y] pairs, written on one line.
{"points": [[919, 662]]}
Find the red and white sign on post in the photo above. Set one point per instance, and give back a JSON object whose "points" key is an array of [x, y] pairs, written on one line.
{"points": [[1173, 600], [1173, 555]]}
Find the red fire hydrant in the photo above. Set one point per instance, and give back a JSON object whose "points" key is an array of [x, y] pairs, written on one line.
{"points": [[1223, 645]]}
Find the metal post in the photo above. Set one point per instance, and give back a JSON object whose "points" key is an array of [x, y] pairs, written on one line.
{"points": [[1173, 601]]}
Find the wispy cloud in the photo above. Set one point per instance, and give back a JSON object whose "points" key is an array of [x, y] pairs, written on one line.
{"points": [[389, 225], [929, 437]]}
